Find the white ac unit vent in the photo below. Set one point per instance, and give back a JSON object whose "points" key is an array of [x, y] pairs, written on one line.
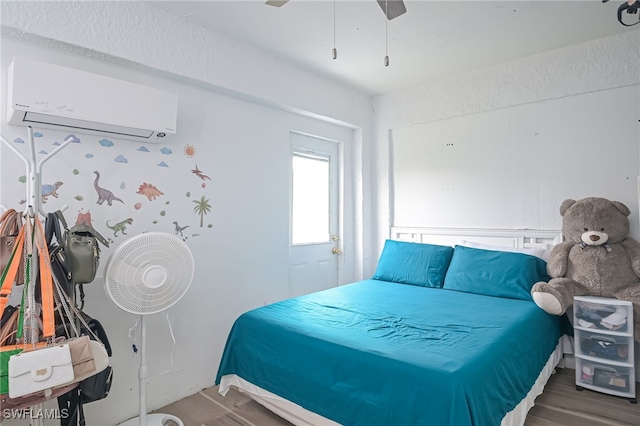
{"points": [[43, 95]]}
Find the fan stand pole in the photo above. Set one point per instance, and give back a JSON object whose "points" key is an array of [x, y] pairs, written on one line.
{"points": [[144, 419], [142, 373]]}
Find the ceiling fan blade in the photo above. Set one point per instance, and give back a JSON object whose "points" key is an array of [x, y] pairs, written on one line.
{"points": [[392, 8], [276, 3]]}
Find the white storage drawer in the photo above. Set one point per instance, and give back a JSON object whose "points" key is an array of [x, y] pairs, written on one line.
{"points": [[605, 377], [594, 313], [606, 347]]}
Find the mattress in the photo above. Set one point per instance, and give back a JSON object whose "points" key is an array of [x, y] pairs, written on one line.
{"points": [[376, 352]]}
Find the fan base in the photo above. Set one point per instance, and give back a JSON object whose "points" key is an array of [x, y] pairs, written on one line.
{"points": [[155, 420]]}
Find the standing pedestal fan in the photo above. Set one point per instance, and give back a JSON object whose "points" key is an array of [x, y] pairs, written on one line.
{"points": [[147, 274]]}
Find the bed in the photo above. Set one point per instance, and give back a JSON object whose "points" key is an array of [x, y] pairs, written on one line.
{"points": [[445, 333]]}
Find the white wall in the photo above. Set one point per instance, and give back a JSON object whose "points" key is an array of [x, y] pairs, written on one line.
{"points": [[512, 167], [236, 108], [572, 77]]}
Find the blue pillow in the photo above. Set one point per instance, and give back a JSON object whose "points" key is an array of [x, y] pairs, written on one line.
{"points": [[494, 273], [413, 263]]}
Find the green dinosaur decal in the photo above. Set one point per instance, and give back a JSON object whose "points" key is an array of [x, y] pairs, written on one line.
{"points": [[120, 226]]}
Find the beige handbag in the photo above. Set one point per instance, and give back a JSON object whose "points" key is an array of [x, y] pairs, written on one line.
{"points": [[88, 357], [82, 359]]}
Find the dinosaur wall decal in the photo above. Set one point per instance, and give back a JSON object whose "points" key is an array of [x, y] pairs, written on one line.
{"points": [[50, 191], [104, 194], [120, 226], [199, 173], [179, 228], [149, 191]]}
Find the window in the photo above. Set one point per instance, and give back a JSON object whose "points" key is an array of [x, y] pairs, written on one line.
{"points": [[310, 198]]}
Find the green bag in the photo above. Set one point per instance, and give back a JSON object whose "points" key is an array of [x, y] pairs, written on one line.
{"points": [[80, 244], [4, 369]]}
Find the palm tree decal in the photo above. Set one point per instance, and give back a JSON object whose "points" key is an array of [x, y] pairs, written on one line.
{"points": [[202, 207]]}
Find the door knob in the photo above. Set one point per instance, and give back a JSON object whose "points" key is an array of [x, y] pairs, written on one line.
{"points": [[336, 250]]}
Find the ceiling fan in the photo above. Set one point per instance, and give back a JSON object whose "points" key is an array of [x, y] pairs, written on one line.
{"points": [[391, 8]]}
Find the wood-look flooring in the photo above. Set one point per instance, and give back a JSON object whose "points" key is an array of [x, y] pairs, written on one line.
{"points": [[560, 405]]}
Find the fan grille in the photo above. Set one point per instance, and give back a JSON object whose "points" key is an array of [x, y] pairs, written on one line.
{"points": [[149, 272]]}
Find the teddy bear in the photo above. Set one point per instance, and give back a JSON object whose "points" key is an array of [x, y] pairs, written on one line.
{"points": [[596, 258]]}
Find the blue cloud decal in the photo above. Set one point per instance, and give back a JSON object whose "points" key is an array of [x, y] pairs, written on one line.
{"points": [[143, 149], [56, 143], [89, 155], [163, 164], [75, 138], [43, 152], [105, 142], [18, 140], [37, 135], [120, 159], [166, 151]]}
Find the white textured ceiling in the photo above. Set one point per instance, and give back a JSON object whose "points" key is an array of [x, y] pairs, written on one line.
{"points": [[432, 40]]}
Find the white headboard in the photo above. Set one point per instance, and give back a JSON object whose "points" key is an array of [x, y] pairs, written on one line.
{"points": [[499, 237]]}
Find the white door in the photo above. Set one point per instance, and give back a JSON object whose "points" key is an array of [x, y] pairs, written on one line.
{"points": [[314, 240]]}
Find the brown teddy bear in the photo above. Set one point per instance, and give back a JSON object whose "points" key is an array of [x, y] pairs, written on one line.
{"points": [[596, 258]]}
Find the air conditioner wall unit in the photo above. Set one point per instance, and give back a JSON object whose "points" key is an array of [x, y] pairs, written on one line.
{"points": [[43, 95]]}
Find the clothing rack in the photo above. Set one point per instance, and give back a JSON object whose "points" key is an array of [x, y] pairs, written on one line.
{"points": [[34, 200]]}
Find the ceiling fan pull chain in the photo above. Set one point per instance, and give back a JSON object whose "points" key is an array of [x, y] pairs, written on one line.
{"points": [[386, 34], [334, 52]]}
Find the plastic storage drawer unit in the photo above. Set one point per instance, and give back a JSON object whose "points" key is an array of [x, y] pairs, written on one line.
{"points": [[603, 331]]}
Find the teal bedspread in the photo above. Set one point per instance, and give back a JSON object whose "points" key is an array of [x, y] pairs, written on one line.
{"points": [[381, 353]]}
